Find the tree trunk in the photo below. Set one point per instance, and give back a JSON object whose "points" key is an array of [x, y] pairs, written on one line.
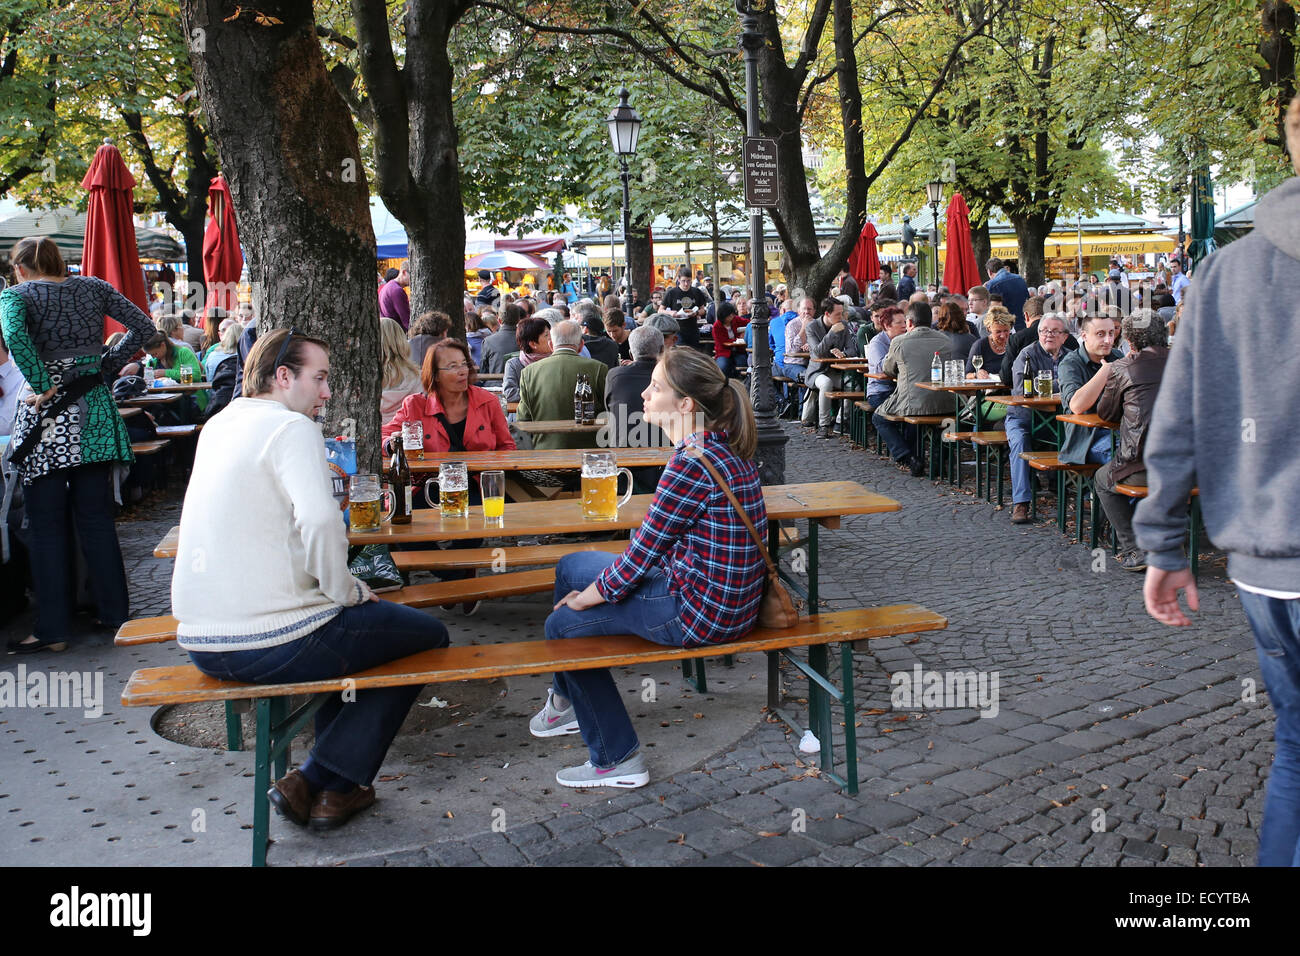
{"points": [[1277, 51], [1031, 234], [290, 153], [637, 255], [980, 243], [417, 165]]}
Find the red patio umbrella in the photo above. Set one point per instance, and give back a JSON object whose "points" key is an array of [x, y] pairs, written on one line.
{"points": [[110, 252], [959, 271], [222, 259], [864, 260]]}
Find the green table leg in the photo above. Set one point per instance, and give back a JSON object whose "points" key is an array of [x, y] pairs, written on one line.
{"points": [[850, 729], [261, 780], [234, 728]]}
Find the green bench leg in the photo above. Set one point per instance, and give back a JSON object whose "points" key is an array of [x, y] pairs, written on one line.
{"points": [[234, 728], [693, 671], [850, 730], [819, 706]]}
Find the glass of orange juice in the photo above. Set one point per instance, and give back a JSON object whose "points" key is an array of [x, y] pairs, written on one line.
{"points": [[493, 486]]}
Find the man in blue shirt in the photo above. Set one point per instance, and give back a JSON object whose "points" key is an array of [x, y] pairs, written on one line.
{"points": [[1012, 288], [1179, 283], [1083, 375], [1044, 355]]}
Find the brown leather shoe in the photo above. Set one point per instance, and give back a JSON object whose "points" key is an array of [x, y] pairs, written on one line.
{"points": [[332, 809], [1020, 513], [291, 797]]}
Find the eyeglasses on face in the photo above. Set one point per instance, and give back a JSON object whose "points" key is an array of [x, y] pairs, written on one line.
{"points": [[458, 367]]}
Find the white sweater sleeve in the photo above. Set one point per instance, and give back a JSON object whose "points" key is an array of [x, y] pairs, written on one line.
{"points": [[298, 460]]}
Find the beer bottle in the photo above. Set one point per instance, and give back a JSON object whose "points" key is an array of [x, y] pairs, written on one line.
{"points": [[579, 410], [1029, 381], [588, 401], [399, 480]]}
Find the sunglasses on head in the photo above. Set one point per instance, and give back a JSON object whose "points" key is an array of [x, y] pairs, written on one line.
{"points": [[279, 358]]}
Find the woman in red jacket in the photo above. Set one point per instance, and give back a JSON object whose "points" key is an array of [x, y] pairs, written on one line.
{"points": [[457, 415]]}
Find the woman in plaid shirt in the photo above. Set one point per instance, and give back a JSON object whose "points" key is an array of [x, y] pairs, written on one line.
{"points": [[691, 575]]}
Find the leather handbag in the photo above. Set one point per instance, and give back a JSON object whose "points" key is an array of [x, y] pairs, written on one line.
{"points": [[776, 609]]}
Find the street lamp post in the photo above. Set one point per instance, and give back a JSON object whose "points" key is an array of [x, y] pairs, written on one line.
{"points": [[771, 437], [934, 192], [624, 129]]}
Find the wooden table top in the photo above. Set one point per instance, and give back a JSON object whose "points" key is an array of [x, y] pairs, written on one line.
{"points": [[144, 401], [851, 364], [970, 385], [191, 387], [1088, 421], [559, 459], [881, 377], [561, 426], [491, 376], [796, 355], [825, 501], [1044, 404], [129, 412]]}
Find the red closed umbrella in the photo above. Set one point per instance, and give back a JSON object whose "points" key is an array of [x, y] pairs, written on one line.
{"points": [[864, 260], [959, 271], [223, 262], [110, 252]]}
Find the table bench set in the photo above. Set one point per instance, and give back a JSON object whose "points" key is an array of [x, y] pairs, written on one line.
{"points": [[819, 505]]}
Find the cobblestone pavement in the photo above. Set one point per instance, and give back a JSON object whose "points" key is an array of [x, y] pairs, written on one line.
{"points": [[1116, 741]]}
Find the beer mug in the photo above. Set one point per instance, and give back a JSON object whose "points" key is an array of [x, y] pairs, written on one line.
{"points": [[365, 499], [1043, 383], [187, 375], [413, 440], [600, 500], [453, 490]]}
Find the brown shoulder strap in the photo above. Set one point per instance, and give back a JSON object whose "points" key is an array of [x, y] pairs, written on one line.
{"points": [[762, 549]]}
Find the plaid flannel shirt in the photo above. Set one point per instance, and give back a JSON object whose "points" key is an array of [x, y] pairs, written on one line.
{"points": [[693, 533]]}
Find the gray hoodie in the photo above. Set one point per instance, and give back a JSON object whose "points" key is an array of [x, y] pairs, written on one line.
{"points": [[1225, 419]]}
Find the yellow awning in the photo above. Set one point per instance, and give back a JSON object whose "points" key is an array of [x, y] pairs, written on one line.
{"points": [[1062, 244]]}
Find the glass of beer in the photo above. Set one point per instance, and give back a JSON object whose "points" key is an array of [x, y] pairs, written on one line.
{"points": [[366, 511], [1043, 384], [453, 490], [600, 500], [187, 375], [413, 440], [493, 486]]}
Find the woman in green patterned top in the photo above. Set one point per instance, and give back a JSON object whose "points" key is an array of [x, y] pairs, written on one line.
{"points": [[53, 325]]}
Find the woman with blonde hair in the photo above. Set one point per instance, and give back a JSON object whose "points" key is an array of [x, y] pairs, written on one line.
{"points": [[692, 573], [400, 376]]}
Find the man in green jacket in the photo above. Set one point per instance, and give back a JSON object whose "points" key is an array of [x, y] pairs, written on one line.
{"points": [[546, 387]]}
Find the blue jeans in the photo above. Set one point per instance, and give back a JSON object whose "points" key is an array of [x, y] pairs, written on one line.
{"points": [[351, 737], [1276, 624], [88, 491], [1099, 451], [900, 438], [650, 612], [1018, 441], [725, 364]]}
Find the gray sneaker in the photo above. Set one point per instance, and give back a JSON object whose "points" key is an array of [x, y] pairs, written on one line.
{"points": [[629, 774], [550, 722], [1135, 560]]}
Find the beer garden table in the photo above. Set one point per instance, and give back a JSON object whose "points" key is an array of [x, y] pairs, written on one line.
{"points": [[1042, 424], [181, 389], [561, 426], [549, 459], [149, 401], [821, 504], [975, 387]]}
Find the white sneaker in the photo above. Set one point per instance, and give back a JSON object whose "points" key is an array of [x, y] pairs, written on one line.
{"points": [[550, 722], [629, 774]]}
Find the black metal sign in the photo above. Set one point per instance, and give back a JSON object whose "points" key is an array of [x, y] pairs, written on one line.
{"points": [[762, 185]]}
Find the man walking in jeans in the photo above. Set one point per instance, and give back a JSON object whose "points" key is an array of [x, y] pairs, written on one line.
{"points": [[1223, 422]]}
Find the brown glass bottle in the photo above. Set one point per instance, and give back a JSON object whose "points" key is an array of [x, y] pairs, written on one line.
{"points": [[399, 480]]}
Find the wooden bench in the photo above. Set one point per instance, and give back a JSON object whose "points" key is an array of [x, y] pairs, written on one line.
{"points": [[157, 630], [925, 426], [463, 559], [1080, 476], [179, 431], [143, 448], [844, 397], [984, 444], [276, 726], [1193, 519]]}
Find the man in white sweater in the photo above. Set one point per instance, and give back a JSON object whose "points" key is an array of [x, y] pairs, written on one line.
{"points": [[262, 590]]}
